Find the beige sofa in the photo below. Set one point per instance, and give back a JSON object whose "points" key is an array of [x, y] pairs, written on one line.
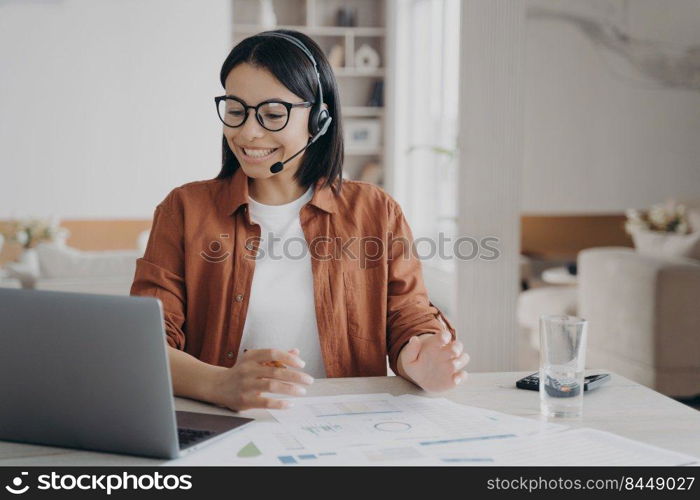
{"points": [[644, 317], [57, 267]]}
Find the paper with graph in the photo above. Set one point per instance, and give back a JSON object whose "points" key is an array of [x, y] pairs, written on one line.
{"points": [[367, 419], [381, 429]]}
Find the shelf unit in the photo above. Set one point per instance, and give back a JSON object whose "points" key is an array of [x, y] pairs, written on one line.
{"points": [[317, 19]]}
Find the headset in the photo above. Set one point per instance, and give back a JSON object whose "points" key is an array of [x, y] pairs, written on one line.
{"points": [[319, 118]]}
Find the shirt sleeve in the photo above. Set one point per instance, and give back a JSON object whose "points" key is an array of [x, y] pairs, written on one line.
{"points": [[160, 272], [409, 311]]}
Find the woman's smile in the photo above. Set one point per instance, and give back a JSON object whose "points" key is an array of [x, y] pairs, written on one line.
{"points": [[257, 155]]}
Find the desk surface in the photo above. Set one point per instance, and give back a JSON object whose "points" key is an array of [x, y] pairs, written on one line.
{"points": [[620, 406]]}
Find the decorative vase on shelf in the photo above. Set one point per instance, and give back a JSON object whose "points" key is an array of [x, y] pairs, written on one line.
{"points": [[29, 258], [366, 58], [346, 16], [268, 19]]}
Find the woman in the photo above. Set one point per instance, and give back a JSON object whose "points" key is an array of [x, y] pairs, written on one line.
{"points": [[278, 259]]}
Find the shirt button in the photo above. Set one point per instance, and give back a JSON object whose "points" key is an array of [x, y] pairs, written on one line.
{"points": [[239, 298], [229, 354], [249, 246]]}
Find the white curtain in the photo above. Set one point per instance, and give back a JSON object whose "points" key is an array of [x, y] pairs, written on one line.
{"points": [[426, 118]]}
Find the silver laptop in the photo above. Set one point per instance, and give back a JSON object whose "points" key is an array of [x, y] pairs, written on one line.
{"points": [[91, 372]]}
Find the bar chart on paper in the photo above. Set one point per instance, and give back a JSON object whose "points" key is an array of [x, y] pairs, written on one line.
{"points": [[318, 430]]}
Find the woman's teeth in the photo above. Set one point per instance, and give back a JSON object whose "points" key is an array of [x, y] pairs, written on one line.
{"points": [[258, 153]]}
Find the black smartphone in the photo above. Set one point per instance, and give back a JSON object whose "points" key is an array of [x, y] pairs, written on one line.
{"points": [[532, 383]]}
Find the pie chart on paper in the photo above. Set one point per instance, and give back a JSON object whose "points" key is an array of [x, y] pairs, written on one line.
{"points": [[392, 426]]}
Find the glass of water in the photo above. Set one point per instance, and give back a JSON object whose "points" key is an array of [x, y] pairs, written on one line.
{"points": [[562, 361]]}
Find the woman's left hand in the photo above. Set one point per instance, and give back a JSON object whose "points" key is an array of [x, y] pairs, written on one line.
{"points": [[434, 361]]}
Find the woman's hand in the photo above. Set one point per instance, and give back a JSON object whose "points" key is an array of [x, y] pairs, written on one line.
{"points": [[240, 387], [434, 361]]}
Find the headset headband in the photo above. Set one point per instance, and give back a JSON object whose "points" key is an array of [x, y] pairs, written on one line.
{"points": [[306, 51]]}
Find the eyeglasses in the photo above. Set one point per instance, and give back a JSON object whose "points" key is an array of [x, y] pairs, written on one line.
{"points": [[272, 115]]}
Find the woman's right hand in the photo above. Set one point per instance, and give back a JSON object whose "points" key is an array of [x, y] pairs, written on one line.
{"points": [[241, 386]]}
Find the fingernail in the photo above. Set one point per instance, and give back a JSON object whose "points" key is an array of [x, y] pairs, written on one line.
{"points": [[308, 379], [302, 364], [301, 391], [288, 404]]}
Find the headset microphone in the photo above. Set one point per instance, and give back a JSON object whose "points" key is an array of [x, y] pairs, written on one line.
{"points": [[277, 167]]}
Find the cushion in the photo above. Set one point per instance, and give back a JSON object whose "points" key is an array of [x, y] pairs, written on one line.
{"points": [[26, 270], [60, 261]]}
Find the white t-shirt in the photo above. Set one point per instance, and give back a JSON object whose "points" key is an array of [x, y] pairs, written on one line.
{"points": [[281, 312]]}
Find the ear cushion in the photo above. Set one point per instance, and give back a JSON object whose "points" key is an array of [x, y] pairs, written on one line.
{"points": [[317, 118], [325, 124]]}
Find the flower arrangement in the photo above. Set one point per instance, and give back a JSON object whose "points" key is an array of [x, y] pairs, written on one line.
{"points": [[30, 232], [669, 217]]}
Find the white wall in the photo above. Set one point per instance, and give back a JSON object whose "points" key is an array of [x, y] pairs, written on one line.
{"points": [[597, 137], [107, 105]]}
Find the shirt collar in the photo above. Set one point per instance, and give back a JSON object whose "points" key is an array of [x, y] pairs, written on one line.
{"points": [[323, 198]]}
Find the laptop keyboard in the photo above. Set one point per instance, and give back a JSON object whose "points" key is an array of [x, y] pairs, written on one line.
{"points": [[189, 437]]}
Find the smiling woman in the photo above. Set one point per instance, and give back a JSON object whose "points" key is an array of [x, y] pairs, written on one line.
{"points": [[281, 81], [278, 257]]}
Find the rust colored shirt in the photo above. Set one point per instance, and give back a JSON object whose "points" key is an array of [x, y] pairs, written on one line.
{"points": [[369, 294]]}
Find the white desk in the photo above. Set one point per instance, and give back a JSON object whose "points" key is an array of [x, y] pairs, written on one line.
{"points": [[620, 406]]}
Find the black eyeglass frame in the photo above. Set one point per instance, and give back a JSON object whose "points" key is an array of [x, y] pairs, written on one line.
{"points": [[246, 107]]}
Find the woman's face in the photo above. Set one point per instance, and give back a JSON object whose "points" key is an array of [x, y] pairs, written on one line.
{"points": [[255, 147]]}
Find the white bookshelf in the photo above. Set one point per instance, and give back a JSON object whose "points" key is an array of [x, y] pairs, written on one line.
{"points": [[318, 19]]}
